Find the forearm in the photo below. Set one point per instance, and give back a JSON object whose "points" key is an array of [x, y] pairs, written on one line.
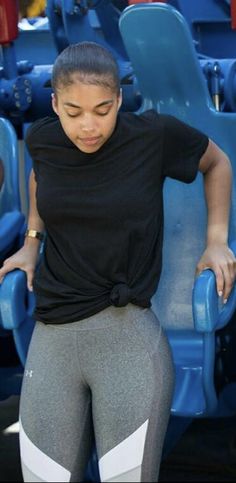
{"points": [[217, 256], [218, 181], [34, 220]]}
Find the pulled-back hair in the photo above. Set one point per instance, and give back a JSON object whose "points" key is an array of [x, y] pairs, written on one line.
{"points": [[92, 64]]}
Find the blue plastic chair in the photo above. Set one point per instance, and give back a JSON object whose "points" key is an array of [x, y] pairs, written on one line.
{"points": [[11, 228], [159, 44], [16, 302], [16, 307], [11, 218]]}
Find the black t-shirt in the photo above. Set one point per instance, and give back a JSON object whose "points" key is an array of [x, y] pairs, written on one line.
{"points": [[103, 212]]}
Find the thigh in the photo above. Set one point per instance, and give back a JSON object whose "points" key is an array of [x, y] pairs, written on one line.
{"points": [[131, 401], [55, 409]]}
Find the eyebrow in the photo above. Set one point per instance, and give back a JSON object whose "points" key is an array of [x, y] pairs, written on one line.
{"points": [[104, 103]]}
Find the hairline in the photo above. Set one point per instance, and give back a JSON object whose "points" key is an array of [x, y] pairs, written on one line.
{"points": [[86, 78]]}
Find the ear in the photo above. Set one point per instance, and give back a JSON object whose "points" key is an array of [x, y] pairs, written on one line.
{"points": [[119, 100], [54, 103]]}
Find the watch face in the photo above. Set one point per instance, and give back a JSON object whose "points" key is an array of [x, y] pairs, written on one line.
{"points": [[34, 234]]}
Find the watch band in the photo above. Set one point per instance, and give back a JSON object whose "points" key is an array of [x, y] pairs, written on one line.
{"points": [[34, 234]]}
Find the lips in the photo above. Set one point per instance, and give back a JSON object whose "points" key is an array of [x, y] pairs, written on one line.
{"points": [[90, 141]]}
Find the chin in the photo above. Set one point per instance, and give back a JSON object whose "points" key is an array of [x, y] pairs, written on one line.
{"points": [[89, 149]]}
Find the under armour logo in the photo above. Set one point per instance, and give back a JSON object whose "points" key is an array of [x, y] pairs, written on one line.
{"points": [[29, 373]]}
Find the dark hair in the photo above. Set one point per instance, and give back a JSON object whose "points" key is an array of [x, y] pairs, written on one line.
{"points": [[91, 62]]}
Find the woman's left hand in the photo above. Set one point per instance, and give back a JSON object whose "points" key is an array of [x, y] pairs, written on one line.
{"points": [[219, 258]]}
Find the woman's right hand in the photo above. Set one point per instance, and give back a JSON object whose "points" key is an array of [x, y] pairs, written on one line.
{"points": [[25, 259]]}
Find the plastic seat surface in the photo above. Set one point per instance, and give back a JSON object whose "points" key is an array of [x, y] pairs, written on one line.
{"points": [[16, 307], [16, 303], [11, 225], [161, 50], [11, 218]]}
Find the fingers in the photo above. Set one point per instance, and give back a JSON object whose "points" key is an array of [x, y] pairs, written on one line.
{"points": [[232, 266], [8, 266], [225, 273], [30, 276], [220, 282], [229, 274], [225, 278]]}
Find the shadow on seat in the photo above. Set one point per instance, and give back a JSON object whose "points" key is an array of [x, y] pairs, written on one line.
{"points": [[161, 50], [16, 303], [11, 218], [11, 229]]}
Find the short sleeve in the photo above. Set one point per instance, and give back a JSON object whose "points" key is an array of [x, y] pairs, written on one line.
{"points": [[183, 147]]}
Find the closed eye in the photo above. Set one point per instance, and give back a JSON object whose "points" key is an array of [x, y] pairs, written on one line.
{"points": [[73, 115], [97, 113], [103, 113]]}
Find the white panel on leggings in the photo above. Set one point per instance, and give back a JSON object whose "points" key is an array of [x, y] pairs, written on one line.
{"points": [[131, 476], [125, 456], [39, 463]]}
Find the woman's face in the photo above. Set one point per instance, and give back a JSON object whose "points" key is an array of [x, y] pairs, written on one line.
{"points": [[87, 113]]}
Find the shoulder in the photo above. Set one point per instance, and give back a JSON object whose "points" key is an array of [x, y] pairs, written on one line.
{"points": [[176, 127], [167, 122], [153, 121], [41, 125], [148, 121], [146, 117], [45, 130]]}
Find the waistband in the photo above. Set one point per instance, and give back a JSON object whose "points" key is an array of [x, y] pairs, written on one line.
{"points": [[110, 316]]}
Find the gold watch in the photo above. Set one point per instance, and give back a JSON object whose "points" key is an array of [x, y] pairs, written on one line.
{"points": [[34, 234]]}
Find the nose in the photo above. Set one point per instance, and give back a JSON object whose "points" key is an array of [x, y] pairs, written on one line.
{"points": [[87, 123]]}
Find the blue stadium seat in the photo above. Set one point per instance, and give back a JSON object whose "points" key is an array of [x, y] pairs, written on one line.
{"points": [[162, 53], [11, 217], [16, 307], [16, 302], [11, 232]]}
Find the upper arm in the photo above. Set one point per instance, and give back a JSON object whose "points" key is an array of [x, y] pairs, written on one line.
{"points": [[212, 156], [183, 147]]}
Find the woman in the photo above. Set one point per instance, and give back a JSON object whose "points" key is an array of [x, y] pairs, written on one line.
{"points": [[99, 362]]}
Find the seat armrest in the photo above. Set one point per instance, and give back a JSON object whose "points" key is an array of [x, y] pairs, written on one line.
{"points": [[16, 302], [209, 312]]}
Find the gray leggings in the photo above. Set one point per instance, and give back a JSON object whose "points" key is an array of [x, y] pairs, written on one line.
{"points": [[108, 376]]}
